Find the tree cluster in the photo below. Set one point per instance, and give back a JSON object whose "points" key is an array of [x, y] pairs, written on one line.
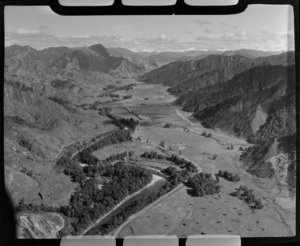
{"points": [[71, 168], [203, 184], [95, 106], [89, 203], [34, 208], [253, 157], [19, 86], [118, 157], [66, 104], [135, 206], [113, 88], [206, 134], [230, 146], [189, 166], [87, 158], [228, 176], [127, 97], [281, 121], [246, 194], [113, 137], [114, 95], [176, 176], [24, 142], [153, 155], [27, 172], [129, 123], [124, 123], [181, 162]]}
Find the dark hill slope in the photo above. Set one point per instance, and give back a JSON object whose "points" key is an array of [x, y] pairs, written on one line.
{"points": [[139, 58], [258, 104], [48, 55], [183, 76], [190, 72], [240, 104], [96, 59], [159, 58], [250, 53], [24, 59], [278, 137]]}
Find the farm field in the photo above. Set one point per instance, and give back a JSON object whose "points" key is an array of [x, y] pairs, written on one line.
{"points": [[183, 215], [195, 215]]}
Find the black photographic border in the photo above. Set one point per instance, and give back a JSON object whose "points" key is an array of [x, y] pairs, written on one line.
{"points": [[179, 8]]}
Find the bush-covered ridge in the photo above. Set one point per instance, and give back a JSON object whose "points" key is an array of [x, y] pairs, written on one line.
{"points": [[281, 121], [253, 82]]}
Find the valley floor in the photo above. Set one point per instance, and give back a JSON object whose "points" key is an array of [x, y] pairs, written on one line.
{"points": [[183, 215], [176, 213]]}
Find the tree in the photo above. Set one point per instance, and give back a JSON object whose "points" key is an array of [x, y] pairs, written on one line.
{"points": [[131, 153], [163, 143], [258, 204]]}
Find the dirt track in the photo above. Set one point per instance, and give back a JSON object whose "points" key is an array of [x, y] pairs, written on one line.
{"points": [[135, 216]]}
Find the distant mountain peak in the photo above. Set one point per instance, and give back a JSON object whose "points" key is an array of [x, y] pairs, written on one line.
{"points": [[99, 49]]}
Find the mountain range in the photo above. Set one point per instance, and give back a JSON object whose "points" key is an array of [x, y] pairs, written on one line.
{"points": [[249, 97], [116, 62], [56, 96], [234, 91]]}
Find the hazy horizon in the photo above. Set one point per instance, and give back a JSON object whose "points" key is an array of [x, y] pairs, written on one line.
{"points": [[147, 51], [39, 27]]}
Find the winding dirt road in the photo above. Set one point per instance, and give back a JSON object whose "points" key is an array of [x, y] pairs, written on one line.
{"points": [[181, 116], [117, 206]]}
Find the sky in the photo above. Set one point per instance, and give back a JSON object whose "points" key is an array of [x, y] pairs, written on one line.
{"points": [[260, 27]]}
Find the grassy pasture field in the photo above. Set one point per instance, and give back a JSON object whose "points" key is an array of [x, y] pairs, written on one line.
{"points": [[182, 215]]}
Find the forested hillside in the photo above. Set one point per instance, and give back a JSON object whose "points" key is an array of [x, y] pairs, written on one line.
{"points": [[240, 98], [187, 76], [248, 96]]}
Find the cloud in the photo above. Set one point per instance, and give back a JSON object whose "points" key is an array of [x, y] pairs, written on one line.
{"points": [[262, 40], [235, 26], [223, 24], [26, 31], [201, 22], [162, 37], [159, 39], [187, 31], [43, 27], [208, 30]]}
